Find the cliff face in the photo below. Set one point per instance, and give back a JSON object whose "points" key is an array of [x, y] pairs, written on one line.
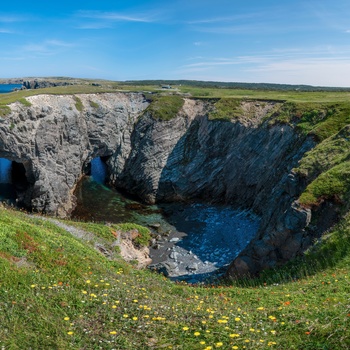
{"points": [[246, 163], [53, 140]]}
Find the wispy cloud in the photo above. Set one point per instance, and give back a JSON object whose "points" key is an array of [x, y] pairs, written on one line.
{"points": [[327, 66], [47, 47], [10, 18], [6, 31], [101, 20]]}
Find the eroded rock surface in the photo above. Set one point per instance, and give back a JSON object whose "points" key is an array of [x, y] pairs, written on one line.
{"points": [[246, 163]]}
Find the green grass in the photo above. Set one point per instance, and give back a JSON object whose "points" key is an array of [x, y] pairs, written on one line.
{"points": [[56, 292], [165, 107], [78, 104], [94, 104], [226, 109]]}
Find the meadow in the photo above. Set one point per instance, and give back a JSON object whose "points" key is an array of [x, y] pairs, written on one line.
{"points": [[58, 292]]}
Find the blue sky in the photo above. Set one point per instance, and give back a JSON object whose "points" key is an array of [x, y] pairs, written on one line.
{"points": [[294, 41]]}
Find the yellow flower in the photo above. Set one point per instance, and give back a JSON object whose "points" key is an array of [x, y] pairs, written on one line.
{"points": [[233, 335], [219, 344], [114, 306], [235, 347], [196, 334], [185, 328], [125, 316], [260, 308], [113, 332], [134, 318], [222, 321], [66, 318], [70, 332], [202, 342], [84, 291], [237, 319], [88, 281]]}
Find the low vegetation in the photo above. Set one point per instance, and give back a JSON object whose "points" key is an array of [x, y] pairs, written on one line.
{"points": [[164, 107], [57, 292]]}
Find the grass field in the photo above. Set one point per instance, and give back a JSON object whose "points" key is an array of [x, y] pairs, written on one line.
{"points": [[57, 292]]}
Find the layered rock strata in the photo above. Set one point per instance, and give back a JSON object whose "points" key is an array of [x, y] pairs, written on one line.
{"points": [[246, 162]]}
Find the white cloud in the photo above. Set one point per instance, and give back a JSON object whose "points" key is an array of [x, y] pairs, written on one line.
{"points": [[117, 17]]}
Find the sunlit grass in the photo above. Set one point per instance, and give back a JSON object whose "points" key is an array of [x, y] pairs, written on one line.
{"points": [[57, 292]]}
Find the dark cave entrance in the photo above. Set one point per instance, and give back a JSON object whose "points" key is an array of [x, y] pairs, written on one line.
{"points": [[13, 182], [97, 169]]}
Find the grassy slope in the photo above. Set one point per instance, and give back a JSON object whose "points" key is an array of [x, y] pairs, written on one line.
{"points": [[47, 276], [67, 296]]}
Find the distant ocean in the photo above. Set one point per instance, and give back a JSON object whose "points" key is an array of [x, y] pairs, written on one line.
{"points": [[8, 87]]}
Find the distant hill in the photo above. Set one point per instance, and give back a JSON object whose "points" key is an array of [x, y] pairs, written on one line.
{"points": [[237, 85]]}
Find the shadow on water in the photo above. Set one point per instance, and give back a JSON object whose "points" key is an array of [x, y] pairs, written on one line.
{"points": [[200, 239], [7, 189]]}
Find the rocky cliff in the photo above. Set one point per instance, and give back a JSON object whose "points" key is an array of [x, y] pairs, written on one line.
{"points": [[245, 162]]}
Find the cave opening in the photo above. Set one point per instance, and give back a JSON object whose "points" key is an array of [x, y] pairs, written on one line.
{"points": [[13, 181], [97, 169]]}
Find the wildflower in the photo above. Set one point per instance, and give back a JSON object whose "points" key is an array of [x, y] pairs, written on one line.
{"points": [[202, 342], [88, 281], [196, 334], [237, 319], [185, 328], [219, 344], [273, 332], [235, 347], [66, 318], [234, 335], [114, 306], [70, 332], [125, 316], [260, 308], [113, 332], [134, 318], [84, 291], [222, 321]]}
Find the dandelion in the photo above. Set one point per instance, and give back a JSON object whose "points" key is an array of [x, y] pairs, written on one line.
{"points": [[234, 347], [70, 332], [273, 332], [196, 334], [134, 318], [202, 342], [125, 316], [88, 281], [219, 344], [222, 321], [185, 328], [113, 332], [234, 335], [237, 319], [66, 318], [84, 291]]}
